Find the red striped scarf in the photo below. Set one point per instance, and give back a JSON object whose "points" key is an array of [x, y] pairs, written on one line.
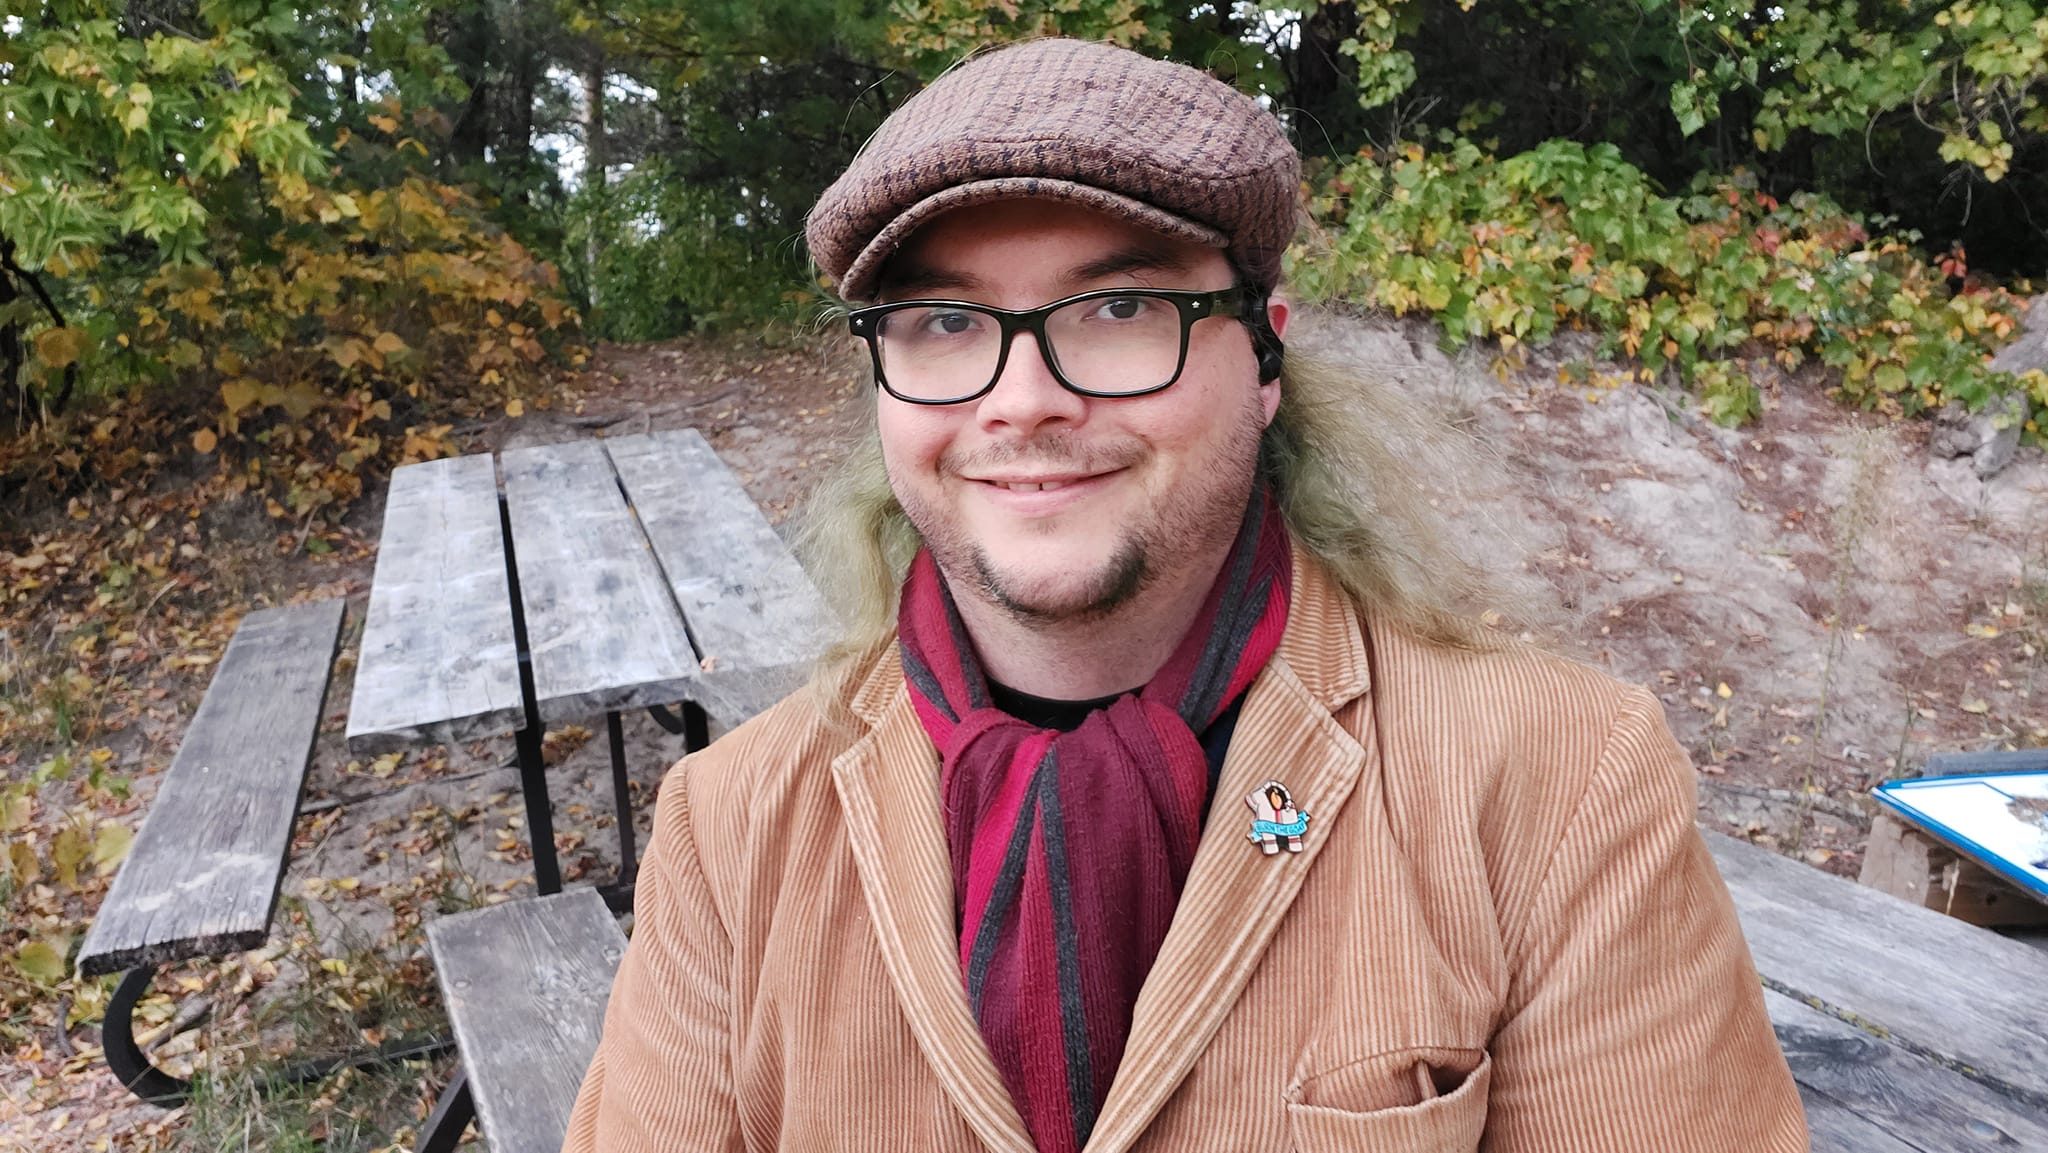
{"points": [[1069, 849]]}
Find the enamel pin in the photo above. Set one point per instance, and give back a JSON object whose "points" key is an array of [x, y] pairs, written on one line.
{"points": [[1274, 817]]}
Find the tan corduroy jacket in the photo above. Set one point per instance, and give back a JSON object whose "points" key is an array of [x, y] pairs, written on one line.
{"points": [[1503, 933]]}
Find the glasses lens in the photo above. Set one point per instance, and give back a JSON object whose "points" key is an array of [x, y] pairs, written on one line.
{"points": [[1117, 344], [938, 352]]}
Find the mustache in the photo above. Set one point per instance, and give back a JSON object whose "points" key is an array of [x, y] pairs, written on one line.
{"points": [[1055, 451]]}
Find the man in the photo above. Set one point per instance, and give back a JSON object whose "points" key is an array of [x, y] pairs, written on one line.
{"points": [[1120, 567]]}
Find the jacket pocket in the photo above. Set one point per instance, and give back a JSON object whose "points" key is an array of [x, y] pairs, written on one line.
{"points": [[1446, 1114]]}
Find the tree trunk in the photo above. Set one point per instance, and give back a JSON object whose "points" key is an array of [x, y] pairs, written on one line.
{"points": [[520, 52], [466, 35], [593, 164]]}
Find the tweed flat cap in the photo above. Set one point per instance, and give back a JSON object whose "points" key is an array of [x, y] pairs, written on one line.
{"points": [[1159, 144]]}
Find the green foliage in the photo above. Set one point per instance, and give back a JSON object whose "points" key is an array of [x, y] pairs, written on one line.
{"points": [[1975, 70], [1569, 236], [671, 256]]}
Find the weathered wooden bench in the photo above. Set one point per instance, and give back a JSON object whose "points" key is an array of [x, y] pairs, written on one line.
{"points": [[525, 984], [201, 878], [1906, 1029]]}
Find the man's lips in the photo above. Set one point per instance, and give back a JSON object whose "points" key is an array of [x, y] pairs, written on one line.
{"points": [[1039, 482]]}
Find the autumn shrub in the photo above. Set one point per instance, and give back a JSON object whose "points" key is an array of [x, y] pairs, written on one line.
{"points": [[1570, 236]]}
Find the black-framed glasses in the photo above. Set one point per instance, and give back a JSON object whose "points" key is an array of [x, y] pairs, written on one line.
{"points": [[1112, 342]]}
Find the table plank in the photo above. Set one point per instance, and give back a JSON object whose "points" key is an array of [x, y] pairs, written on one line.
{"points": [[1907, 1096], [438, 663], [1935, 984], [201, 878], [601, 624], [1831, 1128], [755, 617], [526, 985]]}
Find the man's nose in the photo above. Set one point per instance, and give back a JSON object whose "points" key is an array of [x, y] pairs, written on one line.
{"points": [[1026, 395]]}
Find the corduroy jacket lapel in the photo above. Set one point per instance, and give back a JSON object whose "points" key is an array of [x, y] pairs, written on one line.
{"points": [[1237, 896], [888, 788]]}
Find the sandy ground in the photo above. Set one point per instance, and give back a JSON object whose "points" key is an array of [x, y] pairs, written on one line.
{"points": [[1819, 603]]}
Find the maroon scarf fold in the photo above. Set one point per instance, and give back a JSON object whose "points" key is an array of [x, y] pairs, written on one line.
{"points": [[1070, 849]]}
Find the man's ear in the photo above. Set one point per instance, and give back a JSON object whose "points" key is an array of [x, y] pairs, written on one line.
{"points": [[1277, 312]]}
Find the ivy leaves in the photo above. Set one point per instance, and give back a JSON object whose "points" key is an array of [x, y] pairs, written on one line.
{"points": [[1564, 235]]}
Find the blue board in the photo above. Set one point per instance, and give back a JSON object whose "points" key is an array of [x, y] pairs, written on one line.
{"points": [[2000, 820]]}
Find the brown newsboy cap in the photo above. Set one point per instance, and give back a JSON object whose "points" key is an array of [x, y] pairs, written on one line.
{"points": [[1159, 144]]}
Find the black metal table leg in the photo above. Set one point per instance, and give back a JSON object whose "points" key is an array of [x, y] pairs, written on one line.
{"points": [[533, 781], [453, 1111], [117, 1038], [540, 816], [694, 725], [629, 863]]}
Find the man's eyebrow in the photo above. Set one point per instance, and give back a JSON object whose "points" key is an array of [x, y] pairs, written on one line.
{"points": [[904, 279], [1137, 258]]}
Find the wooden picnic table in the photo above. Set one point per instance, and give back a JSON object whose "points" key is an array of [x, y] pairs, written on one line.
{"points": [[1906, 1029], [560, 582]]}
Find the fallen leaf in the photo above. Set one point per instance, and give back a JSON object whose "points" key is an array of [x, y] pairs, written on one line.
{"points": [[111, 845], [204, 440], [513, 407], [40, 962]]}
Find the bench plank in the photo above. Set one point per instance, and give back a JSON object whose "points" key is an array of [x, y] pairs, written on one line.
{"points": [[1937, 985], [600, 621], [438, 662], [1907, 1096], [526, 985], [751, 611], [201, 877]]}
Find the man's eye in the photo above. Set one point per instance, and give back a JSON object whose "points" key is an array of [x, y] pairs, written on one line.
{"points": [[1122, 308], [949, 323]]}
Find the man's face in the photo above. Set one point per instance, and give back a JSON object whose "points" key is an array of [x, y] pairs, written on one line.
{"points": [[1136, 490]]}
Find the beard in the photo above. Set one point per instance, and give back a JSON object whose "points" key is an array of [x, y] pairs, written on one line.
{"points": [[1177, 528]]}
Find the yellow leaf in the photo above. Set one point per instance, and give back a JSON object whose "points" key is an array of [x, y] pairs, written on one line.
{"points": [[111, 845], [58, 347], [22, 858], [1978, 707], [301, 399], [67, 850], [345, 351], [513, 407], [240, 394], [204, 440], [335, 965], [15, 810], [384, 123], [387, 764], [40, 962], [389, 342], [1723, 691]]}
